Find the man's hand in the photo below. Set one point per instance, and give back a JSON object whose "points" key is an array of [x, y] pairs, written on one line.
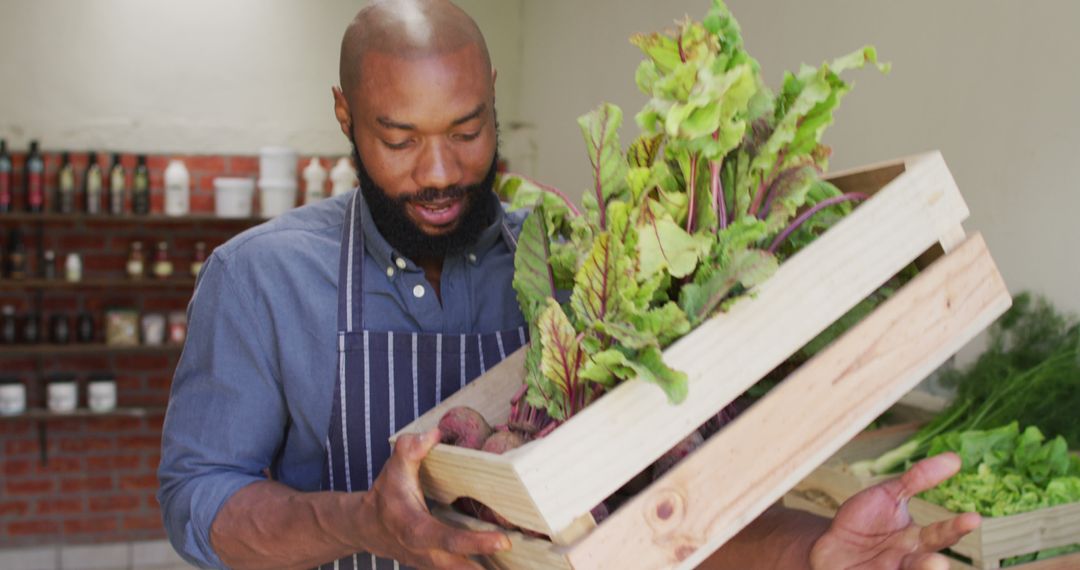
{"points": [[873, 530], [403, 529]]}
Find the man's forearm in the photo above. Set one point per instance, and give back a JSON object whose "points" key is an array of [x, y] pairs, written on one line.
{"points": [[270, 525], [779, 538]]}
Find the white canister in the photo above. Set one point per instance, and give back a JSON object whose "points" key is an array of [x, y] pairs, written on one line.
{"points": [[63, 396], [177, 189], [314, 181], [153, 329], [101, 395], [276, 197], [12, 398], [342, 177], [233, 197], [277, 163]]}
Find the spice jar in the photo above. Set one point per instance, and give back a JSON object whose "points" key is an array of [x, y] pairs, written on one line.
{"points": [[199, 259], [177, 327], [73, 268], [85, 330], [12, 397], [101, 394], [63, 395], [59, 329], [163, 268], [136, 262]]}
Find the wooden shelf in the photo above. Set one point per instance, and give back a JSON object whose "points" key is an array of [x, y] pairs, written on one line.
{"points": [[149, 219], [116, 283], [27, 350], [45, 415]]}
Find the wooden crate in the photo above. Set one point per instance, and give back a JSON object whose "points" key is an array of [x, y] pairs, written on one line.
{"points": [[998, 538], [550, 485]]}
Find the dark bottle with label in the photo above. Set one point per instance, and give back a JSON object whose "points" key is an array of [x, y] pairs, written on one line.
{"points": [[16, 257], [59, 329], [6, 193], [140, 187], [8, 327], [93, 185], [84, 328], [117, 186], [34, 197], [48, 265], [31, 331], [65, 186]]}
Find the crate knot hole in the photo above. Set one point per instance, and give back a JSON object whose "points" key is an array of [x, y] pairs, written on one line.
{"points": [[666, 511]]}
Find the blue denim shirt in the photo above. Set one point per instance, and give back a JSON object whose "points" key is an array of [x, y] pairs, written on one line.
{"points": [[253, 387]]}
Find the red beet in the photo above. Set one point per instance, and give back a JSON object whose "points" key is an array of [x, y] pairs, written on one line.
{"points": [[676, 454], [464, 427], [502, 441]]}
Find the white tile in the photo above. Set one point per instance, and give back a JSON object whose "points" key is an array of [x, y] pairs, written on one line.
{"points": [[39, 558], [95, 557], [155, 554]]}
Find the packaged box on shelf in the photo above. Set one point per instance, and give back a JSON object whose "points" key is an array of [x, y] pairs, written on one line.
{"points": [[550, 485], [998, 538]]}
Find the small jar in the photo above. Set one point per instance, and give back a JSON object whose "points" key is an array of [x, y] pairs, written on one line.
{"points": [[101, 394], [12, 397], [153, 329], [177, 327], [63, 394], [163, 268], [136, 262], [73, 268]]}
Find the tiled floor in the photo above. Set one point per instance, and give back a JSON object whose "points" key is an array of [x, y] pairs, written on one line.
{"points": [[153, 555]]}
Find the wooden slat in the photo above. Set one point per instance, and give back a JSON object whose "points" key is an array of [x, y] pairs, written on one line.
{"points": [[723, 486], [525, 552], [1033, 531], [604, 446]]}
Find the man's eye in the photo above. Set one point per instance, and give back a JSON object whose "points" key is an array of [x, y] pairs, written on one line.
{"points": [[466, 137], [396, 146]]}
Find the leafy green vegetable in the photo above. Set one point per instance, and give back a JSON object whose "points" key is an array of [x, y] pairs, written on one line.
{"points": [[723, 183], [1030, 373]]}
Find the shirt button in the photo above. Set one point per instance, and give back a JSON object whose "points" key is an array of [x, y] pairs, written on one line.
{"points": [[400, 263], [472, 257], [418, 291], [390, 271]]}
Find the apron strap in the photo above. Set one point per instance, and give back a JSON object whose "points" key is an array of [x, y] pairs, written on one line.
{"points": [[351, 269]]}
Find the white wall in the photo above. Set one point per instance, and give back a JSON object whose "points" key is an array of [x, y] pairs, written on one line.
{"points": [[210, 76], [992, 83]]}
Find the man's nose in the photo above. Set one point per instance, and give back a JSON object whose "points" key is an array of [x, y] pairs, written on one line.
{"points": [[438, 167]]}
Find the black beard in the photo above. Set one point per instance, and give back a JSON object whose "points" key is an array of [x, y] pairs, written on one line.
{"points": [[410, 240]]}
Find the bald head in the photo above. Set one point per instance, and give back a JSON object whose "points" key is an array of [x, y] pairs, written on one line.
{"points": [[406, 29]]}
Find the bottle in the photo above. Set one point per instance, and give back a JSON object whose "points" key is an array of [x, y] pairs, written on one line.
{"points": [[6, 196], [35, 180], [31, 331], [93, 185], [199, 259], [84, 328], [48, 265], [8, 327], [73, 268], [163, 268], [314, 181], [343, 177], [16, 257], [177, 189], [140, 187], [136, 263], [117, 186], [65, 186], [59, 329]]}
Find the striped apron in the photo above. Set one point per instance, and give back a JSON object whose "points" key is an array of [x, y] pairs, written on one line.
{"points": [[388, 379]]}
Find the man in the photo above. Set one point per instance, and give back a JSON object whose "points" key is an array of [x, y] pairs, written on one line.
{"points": [[315, 336]]}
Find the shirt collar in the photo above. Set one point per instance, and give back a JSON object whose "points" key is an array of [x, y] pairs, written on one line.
{"points": [[387, 257]]}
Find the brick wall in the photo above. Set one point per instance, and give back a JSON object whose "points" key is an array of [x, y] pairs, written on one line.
{"points": [[99, 480]]}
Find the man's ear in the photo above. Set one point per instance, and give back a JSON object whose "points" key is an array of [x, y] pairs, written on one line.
{"points": [[341, 112]]}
